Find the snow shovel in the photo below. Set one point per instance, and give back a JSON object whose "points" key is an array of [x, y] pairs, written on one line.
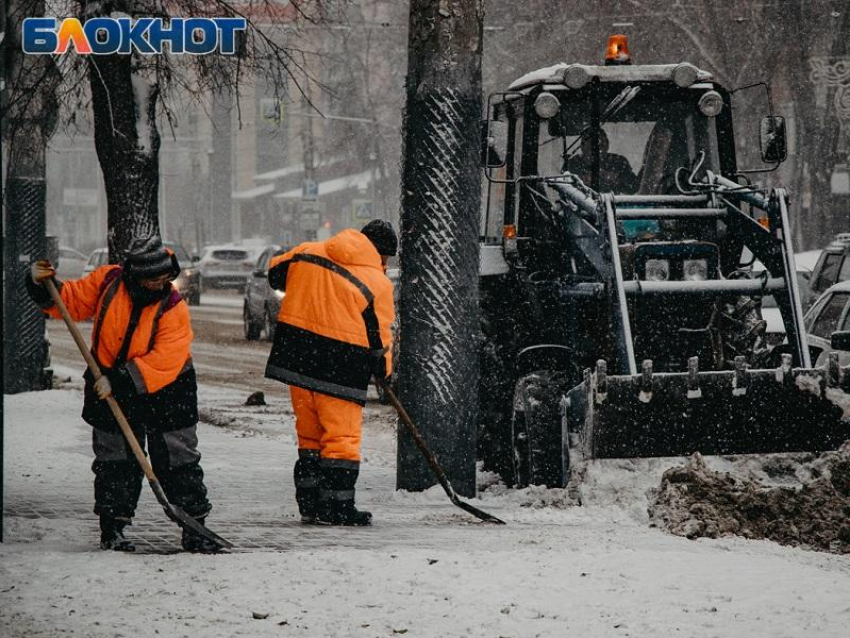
{"points": [[173, 512], [432, 459]]}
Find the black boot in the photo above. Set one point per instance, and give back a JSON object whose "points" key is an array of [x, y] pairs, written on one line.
{"points": [[336, 496], [307, 484], [197, 544], [112, 535]]}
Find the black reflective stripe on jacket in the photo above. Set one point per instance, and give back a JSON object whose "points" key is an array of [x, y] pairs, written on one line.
{"points": [[315, 362]]}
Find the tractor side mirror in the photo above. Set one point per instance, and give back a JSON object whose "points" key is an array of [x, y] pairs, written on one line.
{"points": [[494, 143], [840, 340], [772, 139]]}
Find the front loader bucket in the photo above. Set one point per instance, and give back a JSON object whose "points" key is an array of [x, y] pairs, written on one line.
{"points": [[730, 412]]}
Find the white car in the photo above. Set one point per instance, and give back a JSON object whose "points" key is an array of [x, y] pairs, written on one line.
{"points": [[71, 263], [770, 310], [228, 265], [828, 325], [98, 257], [188, 282]]}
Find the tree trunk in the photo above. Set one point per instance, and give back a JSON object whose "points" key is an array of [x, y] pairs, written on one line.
{"points": [[127, 143], [441, 190], [29, 117]]}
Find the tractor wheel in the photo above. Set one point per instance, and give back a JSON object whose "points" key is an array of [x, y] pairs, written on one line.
{"points": [[540, 455], [251, 329], [495, 390]]}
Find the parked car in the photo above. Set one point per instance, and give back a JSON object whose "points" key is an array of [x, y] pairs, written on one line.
{"points": [[769, 308], [188, 282], [97, 258], [228, 265], [261, 302], [71, 263], [832, 267], [828, 324]]}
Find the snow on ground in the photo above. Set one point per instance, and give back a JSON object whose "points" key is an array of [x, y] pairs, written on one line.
{"points": [[424, 569]]}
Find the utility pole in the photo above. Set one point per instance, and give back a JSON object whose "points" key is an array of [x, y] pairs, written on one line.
{"points": [[441, 192]]}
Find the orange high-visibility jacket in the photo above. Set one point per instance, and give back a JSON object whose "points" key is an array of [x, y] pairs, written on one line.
{"points": [[159, 349], [338, 309]]}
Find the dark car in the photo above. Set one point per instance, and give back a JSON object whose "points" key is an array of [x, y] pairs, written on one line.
{"points": [[188, 282], [832, 267], [261, 302]]}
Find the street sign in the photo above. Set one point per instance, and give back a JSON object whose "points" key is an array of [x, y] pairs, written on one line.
{"points": [[80, 197], [310, 216], [840, 180], [362, 209], [310, 190]]}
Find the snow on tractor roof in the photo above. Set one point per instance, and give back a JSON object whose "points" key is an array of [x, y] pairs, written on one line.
{"points": [[619, 73]]}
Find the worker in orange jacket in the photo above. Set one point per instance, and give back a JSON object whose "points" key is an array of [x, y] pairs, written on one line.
{"points": [[332, 334], [141, 339]]}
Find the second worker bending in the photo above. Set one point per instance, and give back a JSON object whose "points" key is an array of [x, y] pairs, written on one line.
{"points": [[332, 334]]}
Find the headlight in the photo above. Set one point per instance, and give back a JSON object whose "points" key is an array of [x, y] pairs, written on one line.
{"points": [[695, 269], [576, 76], [710, 104], [685, 74], [657, 270], [279, 294], [546, 105]]}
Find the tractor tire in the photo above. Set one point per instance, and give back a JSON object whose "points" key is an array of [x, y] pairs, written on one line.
{"points": [[540, 453], [495, 394], [250, 328]]}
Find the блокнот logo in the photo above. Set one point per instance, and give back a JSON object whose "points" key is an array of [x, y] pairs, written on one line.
{"points": [[104, 36]]}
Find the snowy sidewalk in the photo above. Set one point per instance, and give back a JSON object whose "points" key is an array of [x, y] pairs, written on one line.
{"points": [[424, 569], [248, 474]]}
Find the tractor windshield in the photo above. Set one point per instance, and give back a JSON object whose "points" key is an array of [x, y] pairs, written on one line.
{"points": [[628, 139]]}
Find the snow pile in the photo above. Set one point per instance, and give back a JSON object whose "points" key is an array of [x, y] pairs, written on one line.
{"points": [[696, 501]]}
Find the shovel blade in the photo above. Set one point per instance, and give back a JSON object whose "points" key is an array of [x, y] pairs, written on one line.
{"points": [[176, 514], [757, 413], [480, 514]]}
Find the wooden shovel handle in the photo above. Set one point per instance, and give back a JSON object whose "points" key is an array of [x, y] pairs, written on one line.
{"points": [[95, 370]]}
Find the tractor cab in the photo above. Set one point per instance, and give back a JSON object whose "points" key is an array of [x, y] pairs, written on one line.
{"points": [[620, 314]]}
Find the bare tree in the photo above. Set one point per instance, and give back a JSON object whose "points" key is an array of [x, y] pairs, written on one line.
{"points": [[29, 115], [127, 92]]}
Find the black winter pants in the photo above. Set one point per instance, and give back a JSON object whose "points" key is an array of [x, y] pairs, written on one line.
{"points": [[176, 462]]}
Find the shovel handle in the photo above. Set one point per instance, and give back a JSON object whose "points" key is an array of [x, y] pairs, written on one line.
{"points": [[427, 452], [97, 374]]}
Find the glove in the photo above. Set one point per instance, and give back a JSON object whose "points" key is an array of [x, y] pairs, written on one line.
{"points": [[103, 388], [378, 363], [42, 270]]}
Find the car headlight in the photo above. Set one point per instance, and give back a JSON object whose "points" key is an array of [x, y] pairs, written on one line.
{"points": [[279, 294], [695, 269], [657, 270]]}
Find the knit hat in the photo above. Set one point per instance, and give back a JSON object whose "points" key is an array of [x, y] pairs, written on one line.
{"points": [[148, 258], [382, 236]]}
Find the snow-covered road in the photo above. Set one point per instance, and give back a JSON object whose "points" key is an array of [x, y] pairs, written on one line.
{"points": [[424, 569]]}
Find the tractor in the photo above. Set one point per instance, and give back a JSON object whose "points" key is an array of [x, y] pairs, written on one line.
{"points": [[620, 313]]}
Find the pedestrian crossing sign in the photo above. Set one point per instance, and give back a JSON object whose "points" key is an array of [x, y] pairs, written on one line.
{"points": [[362, 209]]}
